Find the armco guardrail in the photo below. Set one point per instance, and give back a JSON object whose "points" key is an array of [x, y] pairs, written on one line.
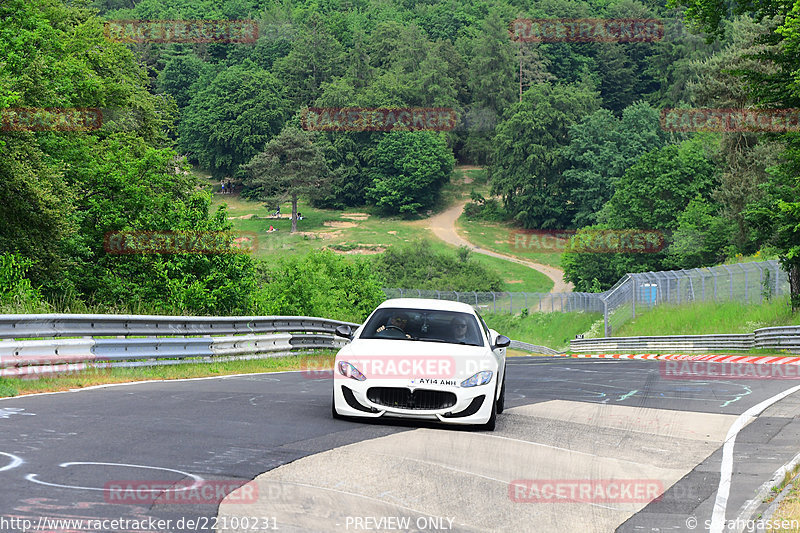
{"points": [[534, 348], [61, 325], [166, 339], [776, 338], [690, 343]]}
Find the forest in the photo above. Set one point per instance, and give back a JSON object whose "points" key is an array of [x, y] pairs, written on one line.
{"points": [[571, 134]]}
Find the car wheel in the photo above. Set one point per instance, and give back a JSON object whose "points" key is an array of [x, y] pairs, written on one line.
{"points": [[489, 426], [501, 402], [333, 408]]}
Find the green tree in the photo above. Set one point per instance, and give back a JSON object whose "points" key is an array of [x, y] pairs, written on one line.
{"points": [[655, 190], [528, 161], [289, 166], [408, 169], [229, 120], [600, 150]]}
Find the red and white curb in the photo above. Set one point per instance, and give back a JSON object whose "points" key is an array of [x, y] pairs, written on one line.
{"points": [[753, 359]]}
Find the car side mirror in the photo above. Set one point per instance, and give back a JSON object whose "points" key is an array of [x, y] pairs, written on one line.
{"points": [[501, 342], [344, 331]]}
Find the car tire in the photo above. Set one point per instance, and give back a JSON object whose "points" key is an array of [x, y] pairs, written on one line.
{"points": [[490, 425], [335, 415], [501, 402]]}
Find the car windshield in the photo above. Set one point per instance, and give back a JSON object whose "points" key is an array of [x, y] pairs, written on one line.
{"points": [[423, 325]]}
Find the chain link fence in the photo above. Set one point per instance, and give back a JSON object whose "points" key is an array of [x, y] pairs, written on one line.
{"points": [[510, 302], [634, 293]]}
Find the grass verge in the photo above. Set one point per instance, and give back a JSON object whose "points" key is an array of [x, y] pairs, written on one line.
{"points": [[709, 317], [306, 361], [553, 330], [788, 510]]}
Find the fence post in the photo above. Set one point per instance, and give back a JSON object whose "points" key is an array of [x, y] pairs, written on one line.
{"points": [[715, 284], [511, 302], [494, 301], [703, 279], [605, 318], [745, 282], [777, 278], [633, 300], [730, 277], [562, 301], [476, 297]]}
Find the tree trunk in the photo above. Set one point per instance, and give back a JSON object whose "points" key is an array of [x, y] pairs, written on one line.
{"points": [[794, 285], [294, 213]]}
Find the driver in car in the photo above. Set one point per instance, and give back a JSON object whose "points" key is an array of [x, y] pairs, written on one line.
{"points": [[398, 322], [459, 326]]}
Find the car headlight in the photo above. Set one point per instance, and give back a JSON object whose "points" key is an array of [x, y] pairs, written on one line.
{"points": [[346, 369], [481, 378]]}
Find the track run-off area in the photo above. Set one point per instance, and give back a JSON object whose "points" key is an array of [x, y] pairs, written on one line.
{"points": [[583, 445]]}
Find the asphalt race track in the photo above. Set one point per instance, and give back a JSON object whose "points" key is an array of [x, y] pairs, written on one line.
{"points": [[63, 455]]}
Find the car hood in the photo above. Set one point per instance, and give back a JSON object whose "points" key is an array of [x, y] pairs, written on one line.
{"points": [[370, 347]]}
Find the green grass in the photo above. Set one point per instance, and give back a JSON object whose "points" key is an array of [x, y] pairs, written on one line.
{"points": [[87, 378], [499, 237], [709, 317], [359, 231], [517, 278], [553, 330]]}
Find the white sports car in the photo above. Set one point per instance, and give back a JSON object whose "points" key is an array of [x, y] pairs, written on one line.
{"points": [[424, 359]]}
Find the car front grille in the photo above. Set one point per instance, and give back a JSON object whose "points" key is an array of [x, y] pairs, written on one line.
{"points": [[405, 399]]}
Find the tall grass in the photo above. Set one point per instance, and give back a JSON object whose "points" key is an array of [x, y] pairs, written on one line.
{"points": [[553, 330], [709, 317]]}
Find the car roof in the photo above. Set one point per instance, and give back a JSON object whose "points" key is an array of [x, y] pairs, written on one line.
{"points": [[428, 303]]}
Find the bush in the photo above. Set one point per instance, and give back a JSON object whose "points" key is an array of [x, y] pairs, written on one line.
{"points": [[481, 208], [16, 290], [418, 266], [319, 284]]}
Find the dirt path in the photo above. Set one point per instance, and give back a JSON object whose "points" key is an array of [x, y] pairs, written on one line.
{"points": [[443, 226]]}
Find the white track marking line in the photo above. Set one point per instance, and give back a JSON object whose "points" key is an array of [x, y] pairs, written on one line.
{"points": [[15, 461], [197, 479], [726, 469], [105, 385]]}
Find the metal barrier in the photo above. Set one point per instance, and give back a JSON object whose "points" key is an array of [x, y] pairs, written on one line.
{"points": [[779, 338], [534, 348], [61, 325], [167, 339], [689, 343], [775, 338]]}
